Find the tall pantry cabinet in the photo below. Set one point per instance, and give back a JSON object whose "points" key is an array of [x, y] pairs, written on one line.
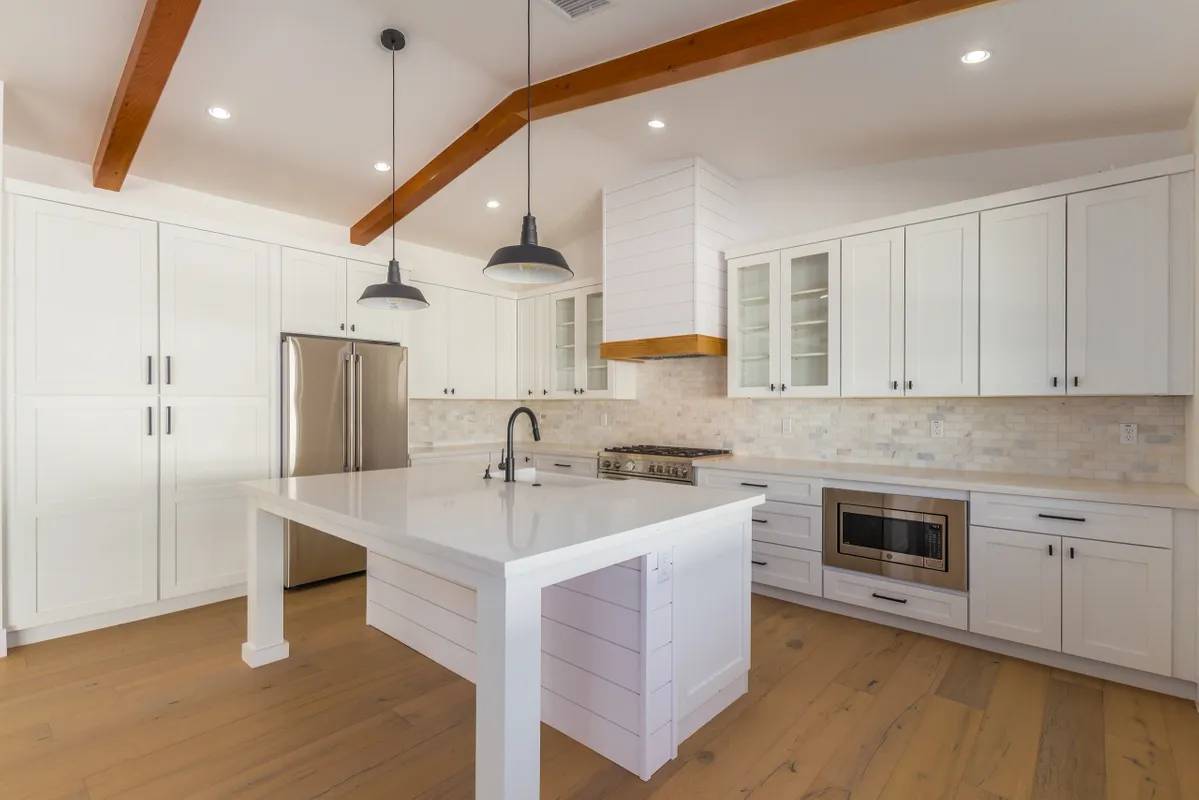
{"points": [[143, 356]]}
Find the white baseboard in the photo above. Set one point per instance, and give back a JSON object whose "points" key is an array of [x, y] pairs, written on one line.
{"points": [[54, 630], [1097, 669], [3, 643], [261, 656]]}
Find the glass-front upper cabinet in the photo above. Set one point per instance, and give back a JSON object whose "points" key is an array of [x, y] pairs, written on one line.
{"points": [[810, 320], [576, 333], [784, 323], [564, 353], [753, 311], [597, 367]]}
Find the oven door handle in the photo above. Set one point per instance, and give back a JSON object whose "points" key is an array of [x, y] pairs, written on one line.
{"points": [[890, 599]]}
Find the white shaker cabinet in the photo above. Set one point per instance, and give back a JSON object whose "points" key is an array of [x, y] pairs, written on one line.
{"points": [[314, 293], [531, 326], [86, 300], [371, 324], [1016, 586], [428, 354], [83, 527], [472, 345], [1117, 602], [1118, 285], [209, 445], [940, 308], [872, 314], [506, 350], [1022, 291], [215, 307]]}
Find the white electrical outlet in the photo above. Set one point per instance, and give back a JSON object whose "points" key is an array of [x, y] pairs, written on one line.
{"points": [[936, 428], [603, 420], [1128, 433], [786, 424]]}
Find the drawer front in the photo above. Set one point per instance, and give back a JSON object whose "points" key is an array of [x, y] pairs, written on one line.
{"points": [[789, 524], [785, 489], [567, 465], [1081, 519], [940, 607], [787, 568]]}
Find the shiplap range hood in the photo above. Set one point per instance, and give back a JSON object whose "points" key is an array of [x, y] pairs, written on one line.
{"points": [[665, 231]]}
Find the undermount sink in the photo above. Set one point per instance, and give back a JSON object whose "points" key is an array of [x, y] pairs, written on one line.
{"points": [[525, 475]]}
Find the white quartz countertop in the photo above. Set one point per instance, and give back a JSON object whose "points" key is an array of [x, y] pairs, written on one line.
{"points": [[543, 448], [1163, 495], [449, 510]]}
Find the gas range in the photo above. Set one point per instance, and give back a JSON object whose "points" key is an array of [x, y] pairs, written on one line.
{"points": [[652, 462]]}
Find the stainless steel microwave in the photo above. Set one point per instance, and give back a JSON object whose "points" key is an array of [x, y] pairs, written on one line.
{"points": [[916, 539]]}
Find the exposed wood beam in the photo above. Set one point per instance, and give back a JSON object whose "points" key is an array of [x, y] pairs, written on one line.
{"points": [[779, 31], [160, 34]]}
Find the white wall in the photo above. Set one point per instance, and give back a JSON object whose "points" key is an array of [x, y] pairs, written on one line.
{"points": [[71, 182], [796, 204]]}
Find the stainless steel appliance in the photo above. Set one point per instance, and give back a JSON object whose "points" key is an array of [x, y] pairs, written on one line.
{"points": [[652, 462], [345, 408], [916, 539]]}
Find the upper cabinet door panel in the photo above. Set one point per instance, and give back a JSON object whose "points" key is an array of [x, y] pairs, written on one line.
{"points": [[314, 293], [941, 308], [373, 324], [1022, 291], [428, 351], [215, 314], [753, 324], [86, 298], [563, 345], [872, 312], [506, 356], [1118, 286], [810, 320], [528, 381], [472, 345]]}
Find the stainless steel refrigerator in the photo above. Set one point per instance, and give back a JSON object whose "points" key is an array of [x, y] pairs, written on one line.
{"points": [[345, 409]]}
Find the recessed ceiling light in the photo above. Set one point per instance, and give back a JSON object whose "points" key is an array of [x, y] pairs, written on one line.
{"points": [[976, 56], [493, 203], [382, 166], [657, 124], [216, 112]]}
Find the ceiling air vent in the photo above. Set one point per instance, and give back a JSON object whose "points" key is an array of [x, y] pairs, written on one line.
{"points": [[580, 8]]}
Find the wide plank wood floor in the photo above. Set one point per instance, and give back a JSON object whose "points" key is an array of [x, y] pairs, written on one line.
{"points": [[837, 709]]}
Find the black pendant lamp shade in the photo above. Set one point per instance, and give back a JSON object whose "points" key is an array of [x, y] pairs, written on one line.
{"points": [[394, 295], [528, 262]]}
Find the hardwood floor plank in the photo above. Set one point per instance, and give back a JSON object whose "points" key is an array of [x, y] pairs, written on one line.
{"points": [[971, 677], [1071, 762], [1004, 760], [1140, 761], [1182, 723], [871, 672], [933, 763]]}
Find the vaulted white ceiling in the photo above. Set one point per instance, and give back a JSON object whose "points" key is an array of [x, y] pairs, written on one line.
{"points": [[308, 86]]}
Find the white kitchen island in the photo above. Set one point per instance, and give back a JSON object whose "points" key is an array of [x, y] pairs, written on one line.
{"points": [[617, 611]]}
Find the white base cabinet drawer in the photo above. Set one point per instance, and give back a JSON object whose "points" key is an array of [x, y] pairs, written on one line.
{"points": [[567, 465], [907, 600], [786, 489], [1080, 519], [789, 524], [787, 568]]}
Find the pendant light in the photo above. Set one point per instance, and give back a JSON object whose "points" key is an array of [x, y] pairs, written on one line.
{"points": [[394, 294], [528, 262]]}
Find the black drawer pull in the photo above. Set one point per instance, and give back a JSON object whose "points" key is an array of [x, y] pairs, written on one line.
{"points": [[1050, 549], [1071, 552], [759, 521], [884, 597], [564, 466], [755, 485], [758, 563], [1063, 519]]}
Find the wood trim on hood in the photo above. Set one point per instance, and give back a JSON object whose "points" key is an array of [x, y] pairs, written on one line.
{"points": [[691, 344]]}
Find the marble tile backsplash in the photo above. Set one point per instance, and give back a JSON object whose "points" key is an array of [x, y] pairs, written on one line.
{"points": [[684, 402]]}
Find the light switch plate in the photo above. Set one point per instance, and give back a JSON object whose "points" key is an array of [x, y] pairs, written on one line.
{"points": [[1128, 433], [936, 428]]}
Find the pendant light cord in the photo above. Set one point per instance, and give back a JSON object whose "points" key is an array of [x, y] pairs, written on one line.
{"points": [[529, 108], [393, 155]]}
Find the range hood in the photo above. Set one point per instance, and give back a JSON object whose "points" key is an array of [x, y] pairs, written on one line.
{"points": [[665, 230]]}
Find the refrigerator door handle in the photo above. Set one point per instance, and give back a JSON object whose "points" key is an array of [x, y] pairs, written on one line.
{"points": [[347, 446], [358, 411]]}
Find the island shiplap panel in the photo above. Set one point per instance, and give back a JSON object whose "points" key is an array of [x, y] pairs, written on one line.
{"points": [[664, 235], [606, 649]]}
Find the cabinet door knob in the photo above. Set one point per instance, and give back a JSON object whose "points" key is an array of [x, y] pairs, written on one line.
{"points": [[1055, 381], [445, 391], [772, 387], [782, 387], [341, 326], [1050, 549], [353, 327], [1075, 380], [545, 392], [1071, 552], [453, 391], [894, 385], [909, 384], [530, 393]]}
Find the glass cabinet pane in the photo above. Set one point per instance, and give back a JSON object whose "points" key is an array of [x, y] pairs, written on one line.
{"points": [[597, 368], [564, 344], [809, 320], [753, 324]]}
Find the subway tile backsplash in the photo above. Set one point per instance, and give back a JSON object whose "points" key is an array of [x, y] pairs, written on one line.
{"points": [[683, 402]]}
